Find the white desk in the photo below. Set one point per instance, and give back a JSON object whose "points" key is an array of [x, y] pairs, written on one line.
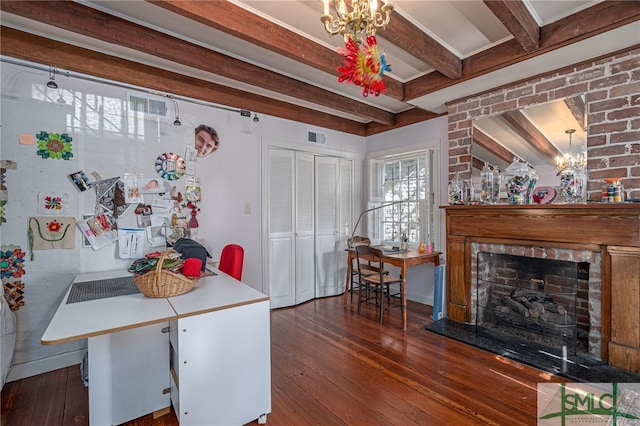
{"points": [[219, 352]]}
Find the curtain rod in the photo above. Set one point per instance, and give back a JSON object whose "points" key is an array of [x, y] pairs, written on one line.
{"points": [[39, 67]]}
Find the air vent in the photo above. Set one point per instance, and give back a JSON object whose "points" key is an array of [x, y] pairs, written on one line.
{"points": [[147, 104], [315, 137]]}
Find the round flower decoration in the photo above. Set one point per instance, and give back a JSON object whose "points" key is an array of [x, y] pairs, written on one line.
{"points": [[364, 66], [54, 145]]}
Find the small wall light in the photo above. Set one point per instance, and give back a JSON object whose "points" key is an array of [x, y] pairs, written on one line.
{"points": [[51, 84], [255, 117], [176, 122]]}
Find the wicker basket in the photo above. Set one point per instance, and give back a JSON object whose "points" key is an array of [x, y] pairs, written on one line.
{"points": [[162, 283]]}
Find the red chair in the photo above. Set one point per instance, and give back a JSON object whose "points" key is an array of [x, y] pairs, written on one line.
{"points": [[231, 260]]}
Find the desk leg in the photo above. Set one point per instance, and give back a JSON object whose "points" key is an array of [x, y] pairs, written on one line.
{"points": [[404, 296], [347, 284]]}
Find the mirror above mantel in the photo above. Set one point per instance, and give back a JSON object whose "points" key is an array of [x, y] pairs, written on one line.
{"points": [[536, 134]]}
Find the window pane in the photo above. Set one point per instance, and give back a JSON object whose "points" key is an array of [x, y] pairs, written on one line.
{"points": [[407, 180]]}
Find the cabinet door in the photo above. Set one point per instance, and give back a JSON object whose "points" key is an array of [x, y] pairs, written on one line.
{"points": [[225, 366], [305, 288], [128, 373], [280, 221], [334, 219]]}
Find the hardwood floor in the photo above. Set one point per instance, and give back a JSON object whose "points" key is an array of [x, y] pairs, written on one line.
{"points": [[333, 367]]}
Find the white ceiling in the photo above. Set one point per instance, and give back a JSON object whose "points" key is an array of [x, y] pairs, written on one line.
{"points": [[465, 27]]}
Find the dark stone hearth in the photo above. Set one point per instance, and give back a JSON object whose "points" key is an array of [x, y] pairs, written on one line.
{"points": [[580, 368]]}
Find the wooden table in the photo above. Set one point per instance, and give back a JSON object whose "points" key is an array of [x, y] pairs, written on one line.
{"points": [[403, 260]]}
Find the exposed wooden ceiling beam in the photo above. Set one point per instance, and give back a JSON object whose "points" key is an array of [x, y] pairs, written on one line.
{"points": [[21, 45], [491, 145], [514, 15], [90, 22], [477, 163], [531, 134], [577, 107], [595, 20], [401, 32], [234, 20], [405, 118]]}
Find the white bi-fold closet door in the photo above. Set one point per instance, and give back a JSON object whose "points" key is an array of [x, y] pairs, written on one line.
{"points": [[309, 217]]}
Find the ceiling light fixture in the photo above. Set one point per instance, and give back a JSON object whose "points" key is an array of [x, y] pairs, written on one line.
{"points": [[176, 122], [255, 117], [51, 84], [363, 20], [568, 160]]}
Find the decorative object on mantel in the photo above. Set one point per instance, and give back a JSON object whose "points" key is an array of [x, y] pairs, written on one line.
{"points": [[490, 184], [544, 194], [54, 145], [458, 190], [364, 66], [613, 191], [572, 175], [363, 20], [520, 180]]}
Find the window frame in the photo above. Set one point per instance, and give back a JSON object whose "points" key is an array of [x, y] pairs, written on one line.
{"points": [[426, 208]]}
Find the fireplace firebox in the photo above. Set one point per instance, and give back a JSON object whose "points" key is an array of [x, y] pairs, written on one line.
{"points": [[529, 301]]}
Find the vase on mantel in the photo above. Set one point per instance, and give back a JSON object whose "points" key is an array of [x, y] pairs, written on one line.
{"points": [[519, 181], [458, 190]]}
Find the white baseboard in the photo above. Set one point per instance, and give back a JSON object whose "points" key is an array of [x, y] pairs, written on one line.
{"points": [[33, 368]]}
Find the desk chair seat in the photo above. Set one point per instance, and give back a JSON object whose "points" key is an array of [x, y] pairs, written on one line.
{"points": [[375, 286], [231, 260]]}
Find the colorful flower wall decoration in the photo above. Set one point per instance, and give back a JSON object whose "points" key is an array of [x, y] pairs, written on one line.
{"points": [[11, 270], [364, 66], [54, 145], [53, 203]]}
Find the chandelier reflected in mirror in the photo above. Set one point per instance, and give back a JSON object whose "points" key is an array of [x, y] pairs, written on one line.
{"points": [[576, 161], [363, 20], [571, 170]]}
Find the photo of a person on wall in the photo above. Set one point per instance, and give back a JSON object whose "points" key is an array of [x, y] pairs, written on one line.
{"points": [[206, 140]]}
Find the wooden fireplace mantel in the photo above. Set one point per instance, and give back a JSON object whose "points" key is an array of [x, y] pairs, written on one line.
{"points": [[611, 229]]}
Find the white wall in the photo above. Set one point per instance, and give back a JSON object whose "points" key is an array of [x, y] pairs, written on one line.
{"points": [[432, 133], [109, 142]]}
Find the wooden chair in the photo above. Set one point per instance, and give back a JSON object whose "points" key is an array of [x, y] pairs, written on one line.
{"points": [[373, 279], [231, 260], [352, 243]]}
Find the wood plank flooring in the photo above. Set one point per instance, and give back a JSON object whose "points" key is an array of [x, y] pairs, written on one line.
{"points": [[331, 366]]}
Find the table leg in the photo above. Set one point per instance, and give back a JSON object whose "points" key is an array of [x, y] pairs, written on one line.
{"points": [[347, 284], [404, 296]]}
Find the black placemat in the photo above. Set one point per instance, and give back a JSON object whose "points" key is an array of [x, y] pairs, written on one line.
{"points": [[100, 289]]}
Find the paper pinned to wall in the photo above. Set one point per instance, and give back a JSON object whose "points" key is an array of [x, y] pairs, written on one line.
{"points": [[131, 242]]}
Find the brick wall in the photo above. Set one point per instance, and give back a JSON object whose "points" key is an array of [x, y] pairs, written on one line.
{"points": [[612, 93]]}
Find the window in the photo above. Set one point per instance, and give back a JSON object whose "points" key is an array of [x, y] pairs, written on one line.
{"points": [[403, 184]]}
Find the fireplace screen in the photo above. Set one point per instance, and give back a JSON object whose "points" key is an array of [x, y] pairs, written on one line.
{"points": [[525, 300]]}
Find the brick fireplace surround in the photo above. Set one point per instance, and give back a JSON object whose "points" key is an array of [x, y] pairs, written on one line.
{"points": [[611, 87]]}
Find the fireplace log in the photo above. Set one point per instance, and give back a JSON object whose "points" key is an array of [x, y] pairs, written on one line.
{"points": [[555, 319], [516, 306]]}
